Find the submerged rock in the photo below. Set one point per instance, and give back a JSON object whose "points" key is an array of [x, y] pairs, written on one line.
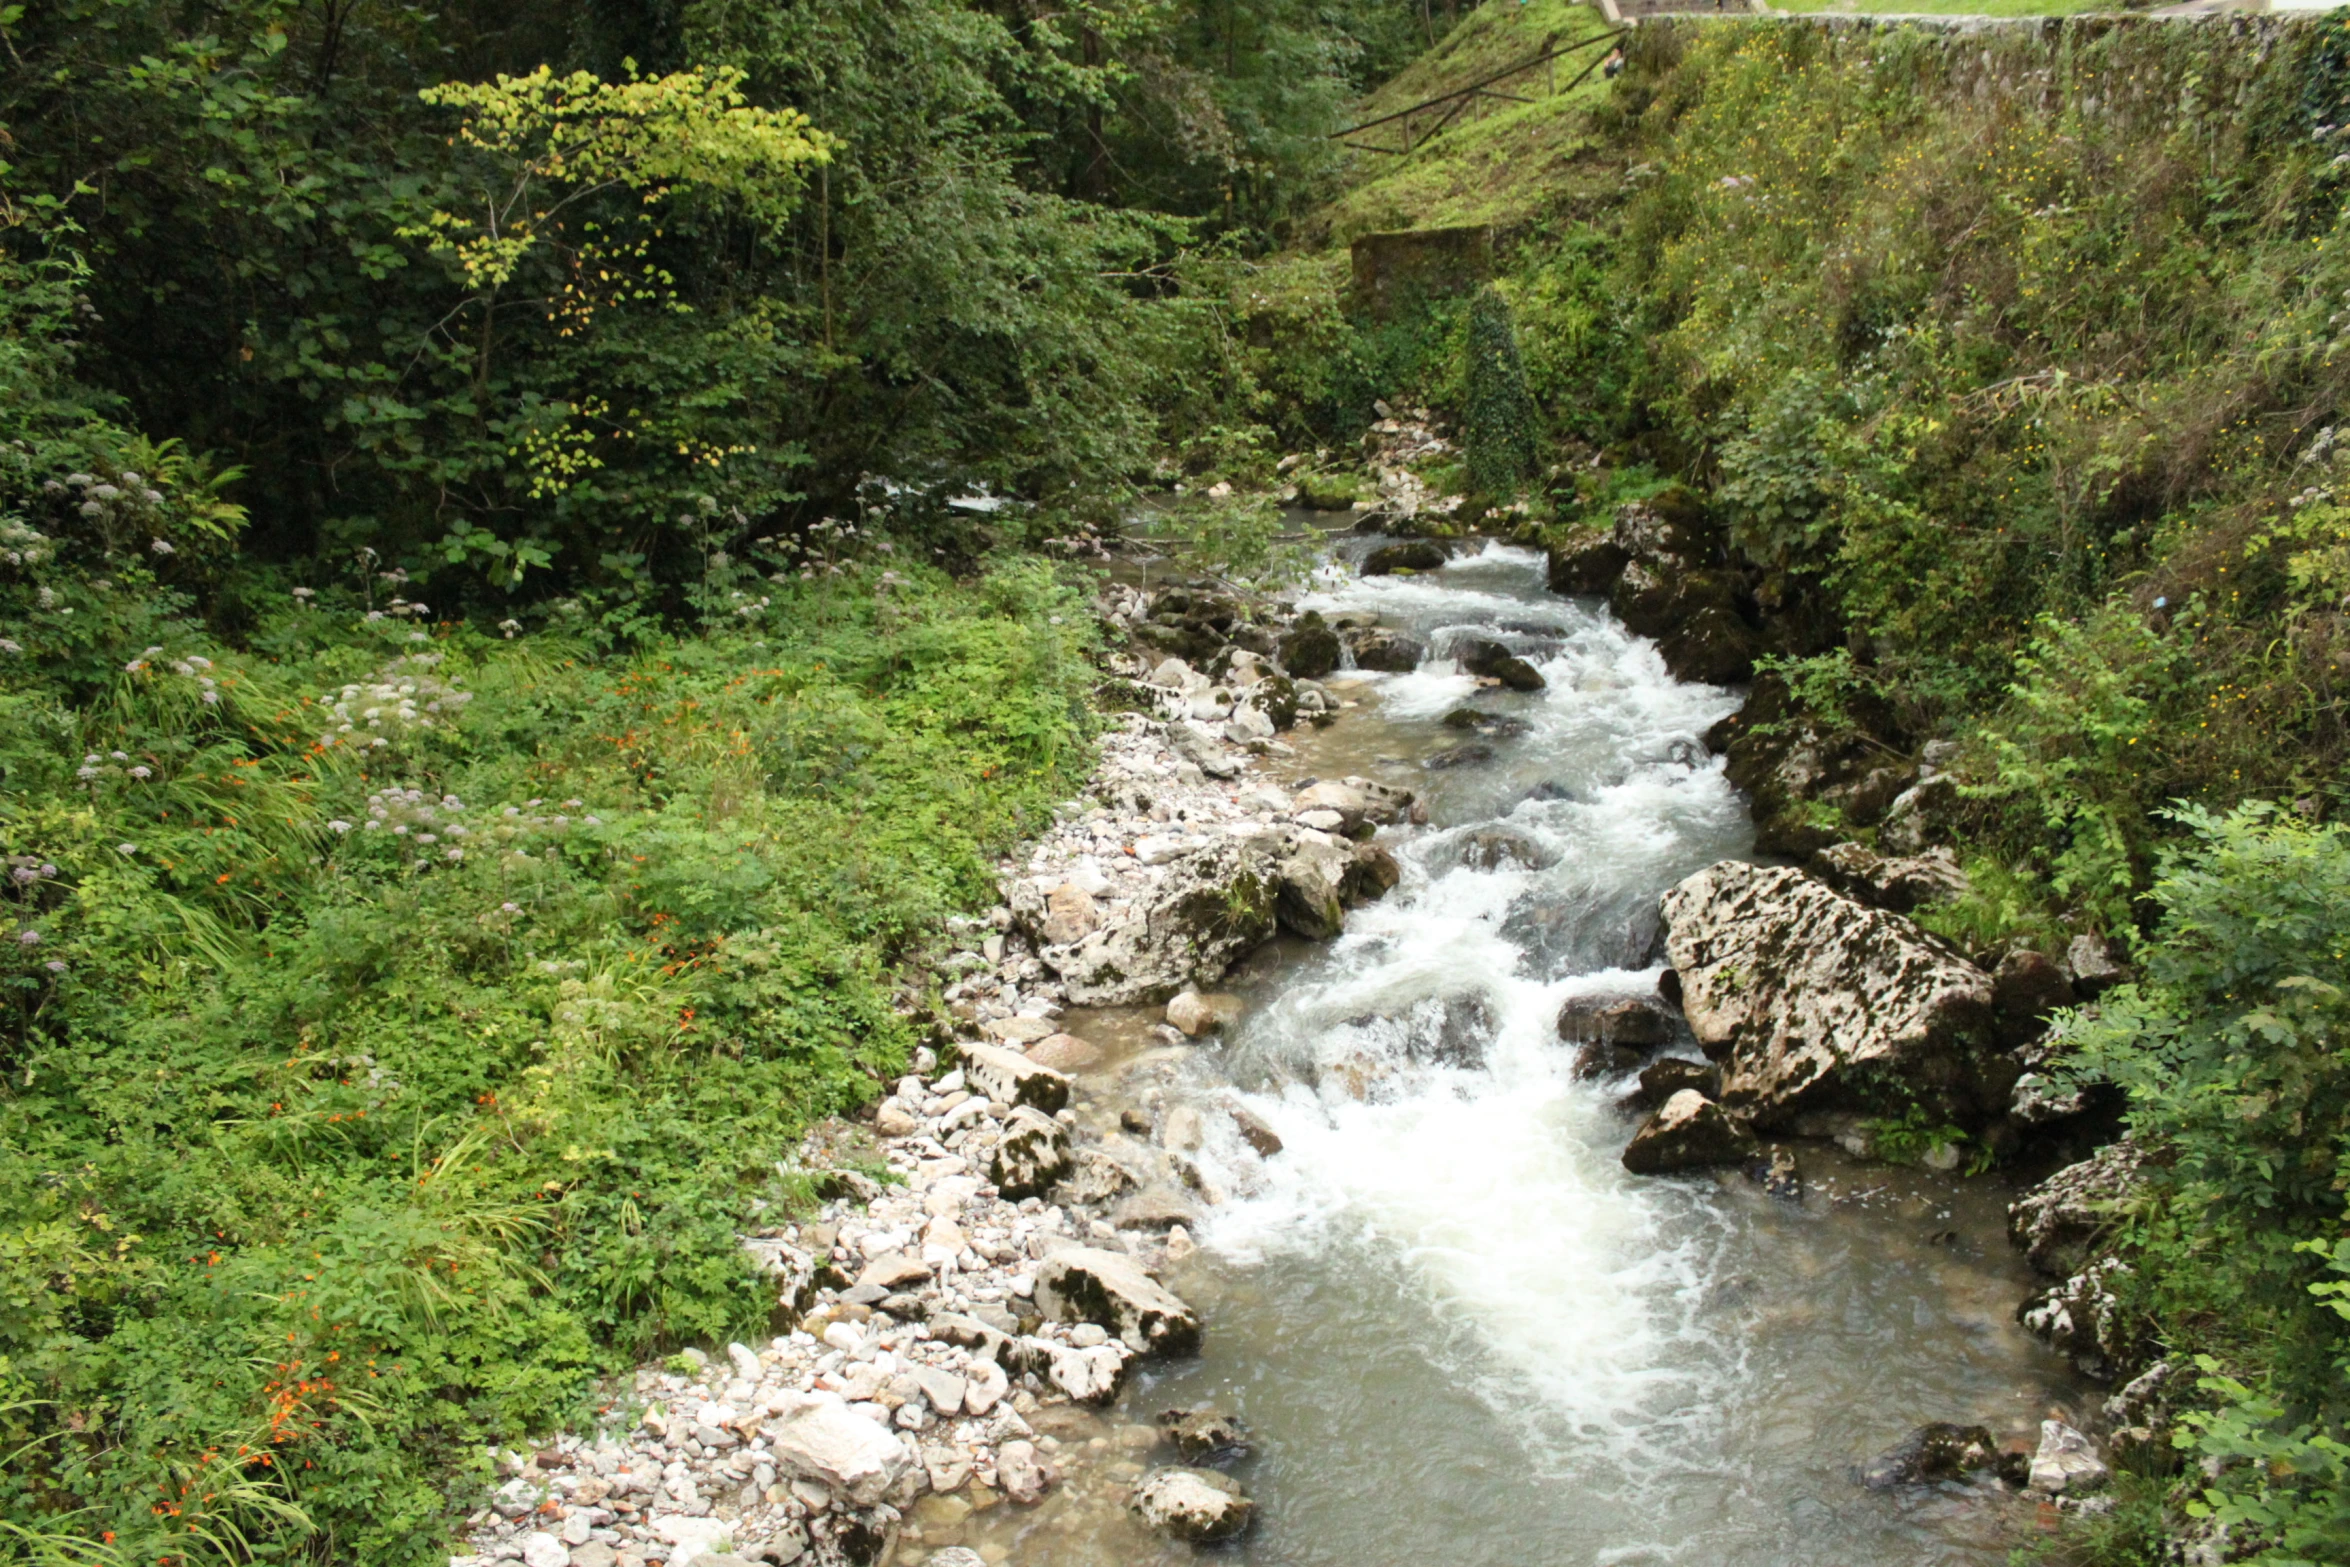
{"points": [[1937, 1451], [1776, 1172], [1197, 1505], [1206, 1436], [1472, 754], [1494, 726], [1690, 1131], [1812, 1001]]}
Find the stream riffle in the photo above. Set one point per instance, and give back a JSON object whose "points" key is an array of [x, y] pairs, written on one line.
{"points": [[1459, 1330]]}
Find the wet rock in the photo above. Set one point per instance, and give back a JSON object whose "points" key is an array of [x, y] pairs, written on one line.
{"points": [[1494, 726], [1777, 1173], [2026, 989], [1813, 1001], [1413, 555], [2066, 1463], [1008, 1077], [1031, 1157], [1317, 878], [2064, 1223], [1598, 1059], [1938, 1451], [1618, 1023], [2095, 965], [1370, 876], [1197, 1505], [1661, 1080], [1492, 661], [1065, 1053], [1358, 802], [1310, 651], [1017, 1033], [1901, 883], [1387, 652], [817, 1435], [1083, 1284], [1256, 1133], [1587, 564], [1473, 754], [1492, 848], [1689, 1132], [1204, 1435]]}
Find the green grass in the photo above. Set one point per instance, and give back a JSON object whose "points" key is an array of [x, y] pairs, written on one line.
{"points": [[345, 1129], [1499, 162]]}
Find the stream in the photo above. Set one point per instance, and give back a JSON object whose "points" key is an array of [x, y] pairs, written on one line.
{"points": [[1460, 1332]]}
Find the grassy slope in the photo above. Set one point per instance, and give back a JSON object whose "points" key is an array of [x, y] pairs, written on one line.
{"points": [[1498, 163], [344, 1130]]}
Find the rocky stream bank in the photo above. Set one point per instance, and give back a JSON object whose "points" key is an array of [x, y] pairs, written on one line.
{"points": [[959, 1337]]}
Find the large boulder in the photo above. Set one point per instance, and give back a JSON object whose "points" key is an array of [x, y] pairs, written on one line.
{"points": [[1198, 1505], [1113, 1290], [1688, 1132], [818, 1437], [1208, 909], [1812, 1001]]}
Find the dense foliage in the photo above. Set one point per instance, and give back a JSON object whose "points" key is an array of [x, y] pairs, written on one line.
{"points": [[493, 691]]}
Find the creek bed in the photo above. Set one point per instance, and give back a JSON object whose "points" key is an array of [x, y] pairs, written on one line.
{"points": [[1460, 1332]]}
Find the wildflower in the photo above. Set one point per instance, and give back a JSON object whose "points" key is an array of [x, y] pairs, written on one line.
{"points": [[142, 772], [55, 965], [305, 594], [126, 848], [120, 756], [28, 938], [338, 827], [159, 547], [7, 646], [510, 908], [454, 854]]}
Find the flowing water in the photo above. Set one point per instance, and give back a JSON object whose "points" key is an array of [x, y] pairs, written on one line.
{"points": [[1460, 1331]]}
